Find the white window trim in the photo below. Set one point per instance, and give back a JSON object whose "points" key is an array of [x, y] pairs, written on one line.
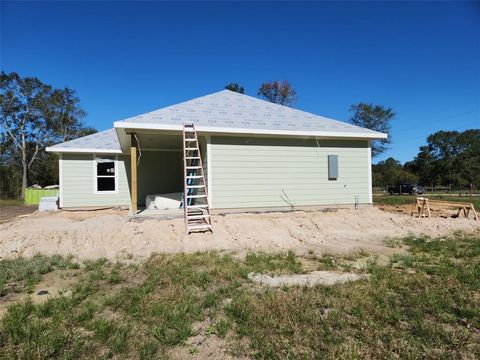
{"points": [[60, 181], [115, 162]]}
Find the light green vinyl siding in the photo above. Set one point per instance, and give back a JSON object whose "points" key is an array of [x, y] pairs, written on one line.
{"points": [[264, 172], [77, 183]]}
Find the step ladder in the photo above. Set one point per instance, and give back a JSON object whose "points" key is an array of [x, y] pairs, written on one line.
{"points": [[195, 195]]}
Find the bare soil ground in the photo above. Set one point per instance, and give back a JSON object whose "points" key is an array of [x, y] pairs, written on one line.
{"points": [[110, 234], [8, 212]]}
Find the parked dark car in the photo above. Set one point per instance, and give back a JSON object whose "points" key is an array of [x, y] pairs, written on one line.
{"points": [[406, 188]]}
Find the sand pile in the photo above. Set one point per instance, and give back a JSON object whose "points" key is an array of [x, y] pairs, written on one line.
{"points": [[112, 235]]}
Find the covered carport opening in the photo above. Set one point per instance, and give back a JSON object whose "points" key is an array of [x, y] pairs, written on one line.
{"points": [[157, 175], [160, 171]]}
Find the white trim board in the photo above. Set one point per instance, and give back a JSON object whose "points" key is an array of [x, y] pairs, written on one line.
{"points": [[208, 129], [369, 162], [81, 150], [209, 171], [60, 181]]}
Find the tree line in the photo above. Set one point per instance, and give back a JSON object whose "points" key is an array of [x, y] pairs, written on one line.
{"points": [[34, 115], [450, 158]]}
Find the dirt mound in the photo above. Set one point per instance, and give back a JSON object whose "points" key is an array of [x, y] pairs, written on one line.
{"points": [[112, 235]]}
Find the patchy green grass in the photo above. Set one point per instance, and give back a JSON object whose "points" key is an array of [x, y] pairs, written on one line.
{"points": [[273, 264], [422, 304], [409, 199], [11, 202], [20, 275]]}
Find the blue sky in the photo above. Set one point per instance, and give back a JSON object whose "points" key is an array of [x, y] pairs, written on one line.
{"points": [[126, 58]]}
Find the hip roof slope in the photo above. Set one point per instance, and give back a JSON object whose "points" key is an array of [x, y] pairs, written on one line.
{"points": [[231, 110], [102, 140]]}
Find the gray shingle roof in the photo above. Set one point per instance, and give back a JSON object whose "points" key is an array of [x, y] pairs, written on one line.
{"points": [[226, 110], [102, 141]]}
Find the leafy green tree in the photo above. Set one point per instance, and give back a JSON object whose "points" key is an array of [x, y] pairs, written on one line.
{"points": [[63, 115], [423, 167], [444, 148], [278, 92], [449, 158], [22, 105], [235, 87], [390, 172], [468, 160], [34, 115], [10, 175], [374, 117]]}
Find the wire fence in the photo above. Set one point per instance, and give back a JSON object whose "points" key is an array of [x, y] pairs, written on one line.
{"points": [[435, 190]]}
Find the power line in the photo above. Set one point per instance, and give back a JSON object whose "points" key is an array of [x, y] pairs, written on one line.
{"points": [[405, 139], [442, 119]]}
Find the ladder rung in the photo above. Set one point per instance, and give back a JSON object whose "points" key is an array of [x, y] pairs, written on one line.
{"points": [[204, 206], [198, 227], [197, 217]]}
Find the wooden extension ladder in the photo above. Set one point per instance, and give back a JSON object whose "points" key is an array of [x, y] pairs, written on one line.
{"points": [[195, 194]]}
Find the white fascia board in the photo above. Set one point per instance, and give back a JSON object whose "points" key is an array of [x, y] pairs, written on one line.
{"points": [[81, 150], [147, 126], [123, 139], [208, 129]]}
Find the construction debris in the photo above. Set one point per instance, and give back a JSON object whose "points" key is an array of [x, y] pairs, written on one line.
{"points": [[314, 278], [422, 207]]}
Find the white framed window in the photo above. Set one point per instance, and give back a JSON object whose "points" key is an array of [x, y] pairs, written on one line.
{"points": [[105, 178]]}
